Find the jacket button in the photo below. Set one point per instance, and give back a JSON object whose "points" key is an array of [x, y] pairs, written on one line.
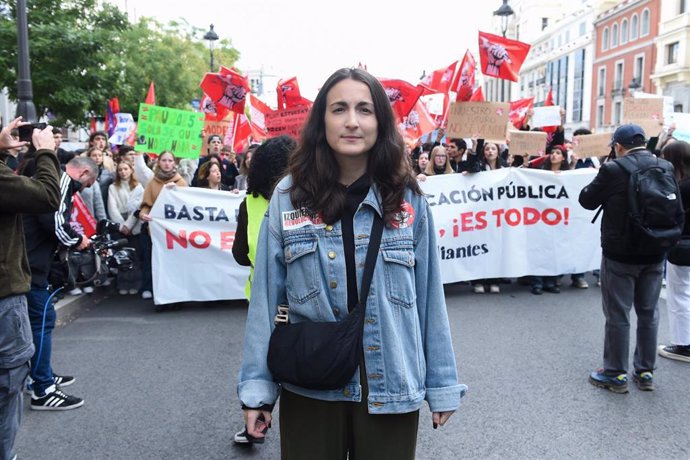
{"points": [[334, 284], [329, 228], [331, 255], [346, 392], [336, 311], [370, 321]]}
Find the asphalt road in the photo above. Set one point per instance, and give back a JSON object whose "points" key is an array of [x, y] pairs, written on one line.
{"points": [[162, 385]]}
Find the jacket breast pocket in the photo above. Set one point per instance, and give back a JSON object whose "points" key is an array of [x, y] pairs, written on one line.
{"points": [[302, 269], [399, 269]]}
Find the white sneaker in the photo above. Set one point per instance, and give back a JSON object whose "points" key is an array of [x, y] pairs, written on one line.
{"points": [[75, 291], [133, 291], [146, 295], [123, 292], [494, 289], [479, 289], [88, 290]]}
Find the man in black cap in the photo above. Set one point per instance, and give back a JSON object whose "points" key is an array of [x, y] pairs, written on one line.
{"points": [[631, 271]]}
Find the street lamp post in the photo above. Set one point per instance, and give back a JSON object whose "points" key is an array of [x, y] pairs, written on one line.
{"points": [[504, 12], [25, 103], [211, 36]]}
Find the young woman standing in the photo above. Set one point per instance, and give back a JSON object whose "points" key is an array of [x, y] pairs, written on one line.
{"points": [[350, 166]]}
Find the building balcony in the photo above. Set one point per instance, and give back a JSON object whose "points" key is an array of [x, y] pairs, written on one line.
{"points": [[677, 23]]}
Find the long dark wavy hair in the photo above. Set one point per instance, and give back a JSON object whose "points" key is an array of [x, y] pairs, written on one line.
{"points": [[269, 165], [678, 153], [315, 171]]}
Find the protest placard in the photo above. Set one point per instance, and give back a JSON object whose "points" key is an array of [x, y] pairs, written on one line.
{"points": [[288, 121], [681, 125], [530, 142], [163, 128], [646, 112], [123, 128], [592, 145], [546, 116], [479, 120]]}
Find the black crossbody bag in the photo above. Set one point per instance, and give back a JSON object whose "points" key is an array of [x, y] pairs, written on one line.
{"points": [[323, 355]]}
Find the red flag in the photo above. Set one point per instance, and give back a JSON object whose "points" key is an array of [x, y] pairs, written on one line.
{"points": [[402, 96], [439, 81], [213, 111], [289, 95], [81, 219], [242, 132], [463, 84], [501, 57], [257, 117], [227, 88], [151, 95], [417, 123], [478, 95], [518, 111]]}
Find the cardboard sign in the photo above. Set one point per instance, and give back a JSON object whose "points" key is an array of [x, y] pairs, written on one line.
{"points": [[530, 142], [546, 116], [592, 145], [646, 112], [162, 128], [288, 122], [479, 120]]}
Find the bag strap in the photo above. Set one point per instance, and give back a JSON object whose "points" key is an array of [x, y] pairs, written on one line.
{"points": [[370, 261]]}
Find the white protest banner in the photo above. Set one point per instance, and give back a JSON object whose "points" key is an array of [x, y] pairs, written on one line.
{"points": [[529, 142], [123, 129], [546, 116], [193, 230], [512, 222], [646, 112], [479, 120]]}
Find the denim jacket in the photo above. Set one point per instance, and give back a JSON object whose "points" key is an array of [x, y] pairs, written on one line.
{"points": [[407, 343]]}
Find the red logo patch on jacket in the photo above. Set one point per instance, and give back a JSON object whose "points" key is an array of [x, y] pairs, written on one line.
{"points": [[405, 217]]}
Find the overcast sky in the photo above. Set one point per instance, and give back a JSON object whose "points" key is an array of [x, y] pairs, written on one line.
{"points": [[311, 39]]}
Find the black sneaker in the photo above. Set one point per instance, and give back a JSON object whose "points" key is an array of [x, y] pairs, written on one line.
{"points": [[678, 352], [242, 437], [63, 380], [55, 400]]}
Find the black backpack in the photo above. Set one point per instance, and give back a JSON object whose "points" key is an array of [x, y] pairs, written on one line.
{"points": [[654, 205]]}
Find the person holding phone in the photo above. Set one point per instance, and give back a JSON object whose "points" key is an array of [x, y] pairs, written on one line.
{"points": [[351, 165]]}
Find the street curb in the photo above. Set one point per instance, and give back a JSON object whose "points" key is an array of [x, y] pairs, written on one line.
{"points": [[71, 307]]}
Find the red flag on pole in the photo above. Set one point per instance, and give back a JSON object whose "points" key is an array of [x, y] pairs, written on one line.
{"points": [[417, 123], [463, 84], [81, 219], [478, 95], [439, 81], [289, 95], [151, 95], [501, 57], [227, 88], [518, 111], [402, 95]]}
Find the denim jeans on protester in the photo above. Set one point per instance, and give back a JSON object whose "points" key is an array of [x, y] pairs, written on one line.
{"points": [[41, 371], [145, 248]]}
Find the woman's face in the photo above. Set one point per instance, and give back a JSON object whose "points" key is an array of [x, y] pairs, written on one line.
{"points": [[422, 161], [440, 158], [166, 162], [214, 174], [556, 157], [491, 151], [97, 156], [124, 171], [351, 124]]}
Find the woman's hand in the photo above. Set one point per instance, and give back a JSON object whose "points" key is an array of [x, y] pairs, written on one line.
{"points": [[145, 217], [124, 230], [440, 418], [255, 426], [421, 177]]}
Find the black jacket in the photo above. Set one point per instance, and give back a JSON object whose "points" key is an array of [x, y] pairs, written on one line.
{"points": [[609, 188]]}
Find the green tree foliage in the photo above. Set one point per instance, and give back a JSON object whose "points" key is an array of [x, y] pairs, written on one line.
{"points": [[84, 52]]}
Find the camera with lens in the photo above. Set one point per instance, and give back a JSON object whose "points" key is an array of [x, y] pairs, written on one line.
{"points": [[105, 256]]}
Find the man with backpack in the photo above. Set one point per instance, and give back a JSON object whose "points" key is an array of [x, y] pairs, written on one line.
{"points": [[643, 218]]}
